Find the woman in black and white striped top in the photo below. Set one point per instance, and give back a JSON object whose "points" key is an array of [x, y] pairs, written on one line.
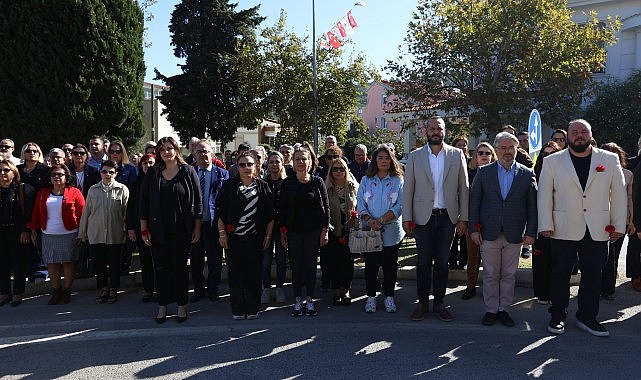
{"points": [[245, 211]]}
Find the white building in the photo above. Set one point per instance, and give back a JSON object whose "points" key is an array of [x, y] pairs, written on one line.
{"points": [[624, 56]]}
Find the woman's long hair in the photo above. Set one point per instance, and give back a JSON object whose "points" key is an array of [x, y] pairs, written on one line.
{"points": [[160, 163], [395, 169]]}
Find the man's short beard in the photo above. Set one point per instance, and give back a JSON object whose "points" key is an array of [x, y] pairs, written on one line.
{"points": [[579, 148], [438, 140]]}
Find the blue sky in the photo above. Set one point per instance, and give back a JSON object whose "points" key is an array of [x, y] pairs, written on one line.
{"points": [[382, 25]]}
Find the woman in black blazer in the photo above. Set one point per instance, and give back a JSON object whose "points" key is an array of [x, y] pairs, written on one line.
{"points": [[170, 213], [245, 211]]}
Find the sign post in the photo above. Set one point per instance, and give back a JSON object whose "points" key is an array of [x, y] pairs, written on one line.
{"points": [[534, 132]]}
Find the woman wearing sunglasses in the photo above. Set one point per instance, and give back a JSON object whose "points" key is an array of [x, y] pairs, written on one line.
{"points": [[57, 213], [483, 155], [245, 211], [86, 175], [102, 224], [33, 170], [341, 192]]}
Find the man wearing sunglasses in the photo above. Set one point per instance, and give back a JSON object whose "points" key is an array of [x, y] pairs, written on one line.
{"points": [[7, 147]]}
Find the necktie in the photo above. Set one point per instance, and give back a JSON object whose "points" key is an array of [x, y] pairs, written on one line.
{"points": [[202, 183]]}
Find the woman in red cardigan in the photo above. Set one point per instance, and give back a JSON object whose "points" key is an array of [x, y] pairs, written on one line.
{"points": [[57, 213]]}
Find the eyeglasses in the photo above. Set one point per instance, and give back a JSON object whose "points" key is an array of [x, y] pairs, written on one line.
{"points": [[245, 164], [115, 151], [32, 151], [203, 151], [559, 139], [6, 147], [336, 170], [334, 156], [54, 175], [67, 149], [110, 172], [5, 170], [79, 153], [483, 153]]}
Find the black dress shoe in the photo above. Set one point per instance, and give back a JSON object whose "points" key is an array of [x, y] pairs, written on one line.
{"points": [[337, 301], [16, 302], [160, 320], [505, 318], [469, 293], [213, 297], [488, 319], [346, 301], [182, 319], [197, 297]]}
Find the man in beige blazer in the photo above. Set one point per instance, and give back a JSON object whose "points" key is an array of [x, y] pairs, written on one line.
{"points": [[582, 204], [435, 204]]}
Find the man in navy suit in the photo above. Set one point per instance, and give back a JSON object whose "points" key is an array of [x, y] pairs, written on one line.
{"points": [[503, 217], [211, 179]]}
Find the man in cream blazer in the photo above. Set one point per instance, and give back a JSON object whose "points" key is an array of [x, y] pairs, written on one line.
{"points": [[435, 204], [582, 204]]}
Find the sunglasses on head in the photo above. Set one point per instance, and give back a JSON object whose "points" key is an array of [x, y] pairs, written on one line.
{"points": [[338, 169], [245, 164]]}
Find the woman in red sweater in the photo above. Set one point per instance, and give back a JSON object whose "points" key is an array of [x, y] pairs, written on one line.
{"points": [[57, 212]]}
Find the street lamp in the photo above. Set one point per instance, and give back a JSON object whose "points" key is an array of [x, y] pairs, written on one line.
{"points": [[315, 94]]}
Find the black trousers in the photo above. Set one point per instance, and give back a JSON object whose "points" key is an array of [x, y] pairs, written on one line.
{"points": [[592, 257], [12, 260], [611, 268], [172, 274], [303, 251], [633, 257], [208, 246], [541, 268], [341, 264], [244, 264], [107, 264], [388, 259], [146, 265]]}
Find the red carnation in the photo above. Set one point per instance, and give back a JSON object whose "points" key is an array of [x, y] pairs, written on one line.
{"points": [[284, 230], [478, 226], [230, 228], [412, 224], [609, 229], [600, 168], [537, 252], [353, 213], [342, 240]]}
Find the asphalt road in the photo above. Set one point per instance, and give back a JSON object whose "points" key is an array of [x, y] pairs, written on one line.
{"points": [[83, 340]]}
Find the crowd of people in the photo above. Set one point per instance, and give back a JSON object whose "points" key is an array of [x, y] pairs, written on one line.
{"points": [[568, 208]]}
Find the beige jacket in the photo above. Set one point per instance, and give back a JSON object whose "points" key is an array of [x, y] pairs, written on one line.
{"points": [[565, 208], [351, 190], [103, 219]]}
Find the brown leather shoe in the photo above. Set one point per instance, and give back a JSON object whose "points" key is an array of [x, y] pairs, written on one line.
{"points": [[636, 284], [420, 312], [443, 313], [56, 294]]}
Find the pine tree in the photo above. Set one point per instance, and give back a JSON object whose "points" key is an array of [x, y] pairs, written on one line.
{"points": [[214, 95]]}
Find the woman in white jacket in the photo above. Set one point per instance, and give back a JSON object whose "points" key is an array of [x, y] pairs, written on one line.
{"points": [[103, 225]]}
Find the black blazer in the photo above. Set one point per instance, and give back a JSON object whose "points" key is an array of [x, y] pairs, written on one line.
{"points": [[150, 208], [229, 207], [21, 218], [92, 177]]}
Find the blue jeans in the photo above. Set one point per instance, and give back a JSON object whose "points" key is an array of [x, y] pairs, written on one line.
{"points": [[281, 262], [433, 243]]}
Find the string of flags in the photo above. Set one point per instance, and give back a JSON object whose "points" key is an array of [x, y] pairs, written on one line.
{"points": [[334, 38]]}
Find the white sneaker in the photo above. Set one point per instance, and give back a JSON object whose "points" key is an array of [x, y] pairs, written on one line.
{"points": [[264, 298], [280, 295], [390, 306], [370, 305]]}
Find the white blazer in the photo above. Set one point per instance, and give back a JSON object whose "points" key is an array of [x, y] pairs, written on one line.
{"points": [[565, 208]]}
